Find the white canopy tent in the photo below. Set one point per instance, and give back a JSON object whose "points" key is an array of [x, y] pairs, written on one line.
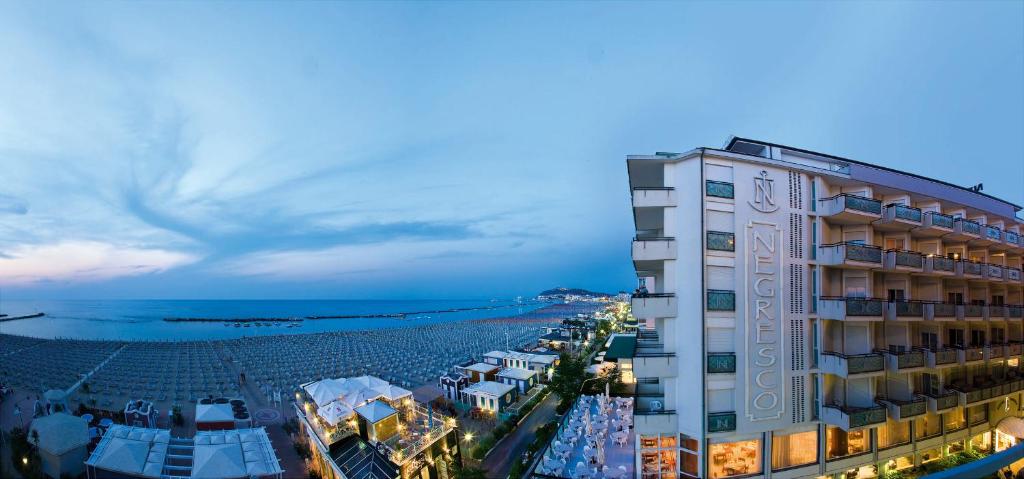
{"points": [[334, 412]]}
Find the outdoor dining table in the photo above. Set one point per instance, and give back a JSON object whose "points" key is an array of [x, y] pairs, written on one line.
{"points": [[619, 438]]}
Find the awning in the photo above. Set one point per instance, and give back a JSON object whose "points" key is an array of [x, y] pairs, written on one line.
{"points": [[1013, 426]]}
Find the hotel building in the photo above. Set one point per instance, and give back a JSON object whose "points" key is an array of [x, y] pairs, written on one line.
{"points": [[810, 315]]}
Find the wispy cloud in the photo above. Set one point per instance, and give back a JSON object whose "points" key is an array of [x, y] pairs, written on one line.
{"points": [[84, 261]]}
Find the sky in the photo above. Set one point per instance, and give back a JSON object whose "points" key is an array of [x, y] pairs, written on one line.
{"points": [[446, 150]]}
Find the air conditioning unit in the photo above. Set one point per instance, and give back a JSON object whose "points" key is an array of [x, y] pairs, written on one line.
{"points": [[656, 405]]}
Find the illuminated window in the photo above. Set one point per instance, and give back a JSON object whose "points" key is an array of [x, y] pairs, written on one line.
{"points": [[927, 425], [982, 442], [792, 450], [899, 463], [688, 456], [977, 414], [839, 443], [658, 457], [893, 433], [954, 420], [732, 459], [930, 455]]}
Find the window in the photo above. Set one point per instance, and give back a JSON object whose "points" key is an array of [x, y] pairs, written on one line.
{"points": [[930, 455], [954, 420], [977, 414], [839, 443], [658, 457], [982, 442], [732, 459], [688, 456], [792, 450], [893, 433]]}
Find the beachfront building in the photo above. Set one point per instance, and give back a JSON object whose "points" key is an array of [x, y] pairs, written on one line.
{"points": [[542, 364], [63, 440], [810, 315], [452, 384], [522, 379], [136, 452], [477, 372], [365, 427], [490, 396]]}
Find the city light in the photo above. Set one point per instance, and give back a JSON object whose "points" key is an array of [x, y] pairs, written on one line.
{"points": [[469, 436], [24, 460]]}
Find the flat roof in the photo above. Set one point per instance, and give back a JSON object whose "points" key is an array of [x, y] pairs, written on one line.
{"points": [[621, 346], [482, 367], [376, 411], [490, 388], [517, 373]]}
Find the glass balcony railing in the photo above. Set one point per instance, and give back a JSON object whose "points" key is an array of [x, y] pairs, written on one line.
{"points": [[864, 363], [721, 421], [909, 359], [996, 311], [940, 220], [721, 300], [909, 259], [974, 353], [944, 355], [907, 308], [1011, 238], [721, 362], [971, 267], [861, 416], [863, 307], [860, 203], [1012, 274], [719, 189], [993, 233], [908, 408], [945, 400], [944, 310], [1015, 311], [994, 271], [941, 263], [968, 226], [908, 213], [720, 241]]}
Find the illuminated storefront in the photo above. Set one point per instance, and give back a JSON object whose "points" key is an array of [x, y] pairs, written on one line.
{"points": [[982, 442], [658, 457], [732, 459], [893, 433], [839, 443], [793, 450]]}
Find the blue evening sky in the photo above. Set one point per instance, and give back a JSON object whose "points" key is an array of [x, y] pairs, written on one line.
{"points": [[446, 150]]}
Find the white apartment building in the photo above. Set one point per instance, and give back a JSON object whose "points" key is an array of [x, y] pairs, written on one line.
{"points": [[810, 315]]}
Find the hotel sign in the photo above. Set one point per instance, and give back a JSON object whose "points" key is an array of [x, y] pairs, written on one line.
{"points": [[763, 306]]}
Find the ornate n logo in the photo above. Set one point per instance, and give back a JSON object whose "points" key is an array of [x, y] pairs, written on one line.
{"points": [[764, 194]]}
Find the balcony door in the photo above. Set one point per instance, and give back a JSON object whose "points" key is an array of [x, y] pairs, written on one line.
{"points": [[977, 337], [955, 298], [929, 340], [897, 295], [930, 384], [956, 338], [997, 300], [895, 243]]}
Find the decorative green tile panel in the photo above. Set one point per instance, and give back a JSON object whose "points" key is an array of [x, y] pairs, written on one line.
{"points": [[721, 363], [720, 189], [720, 241], [721, 421], [719, 300]]}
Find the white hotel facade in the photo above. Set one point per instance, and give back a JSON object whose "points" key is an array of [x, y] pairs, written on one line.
{"points": [[814, 316]]}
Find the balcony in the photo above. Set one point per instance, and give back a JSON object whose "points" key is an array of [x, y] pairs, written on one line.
{"points": [[991, 237], [852, 255], [964, 230], [934, 225], [849, 418], [904, 361], [900, 410], [940, 312], [845, 366], [1014, 349], [992, 389], [973, 354], [721, 300], [850, 309], [651, 248], [655, 364], [939, 266], [904, 311], [996, 351], [657, 305], [993, 272], [1013, 241], [1015, 311], [904, 261], [1012, 275], [721, 363], [969, 269], [654, 197], [896, 217], [850, 209], [972, 312], [942, 357], [942, 402], [998, 313], [721, 421]]}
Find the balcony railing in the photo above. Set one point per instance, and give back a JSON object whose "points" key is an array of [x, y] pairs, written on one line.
{"points": [[904, 409], [1014, 348], [906, 359], [967, 226], [860, 416], [943, 401], [970, 268], [1012, 274], [995, 271], [993, 233], [940, 264], [997, 311], [974, 353], [721, 421], [863, 306], [944, 310], [939, 356], [719, 189], [974, 310], [904, 212], [721, 300], [1011, 238], [854, 202], [904, 258], [939, 219], [721, 363], [720, 241], [996, 350], [1015, 311], [905, 309], [860, 363], [855, 252]]}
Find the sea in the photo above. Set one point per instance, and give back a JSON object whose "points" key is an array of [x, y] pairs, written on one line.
{"points": [[144, 319]]}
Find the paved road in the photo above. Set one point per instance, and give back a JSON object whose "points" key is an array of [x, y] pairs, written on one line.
{"points": [[499, 462]]}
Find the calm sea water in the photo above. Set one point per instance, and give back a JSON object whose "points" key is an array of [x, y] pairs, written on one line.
{"points": [[143, 319]]}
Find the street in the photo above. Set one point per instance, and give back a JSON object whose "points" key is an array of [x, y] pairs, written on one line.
{"points": [[499, 462]]}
